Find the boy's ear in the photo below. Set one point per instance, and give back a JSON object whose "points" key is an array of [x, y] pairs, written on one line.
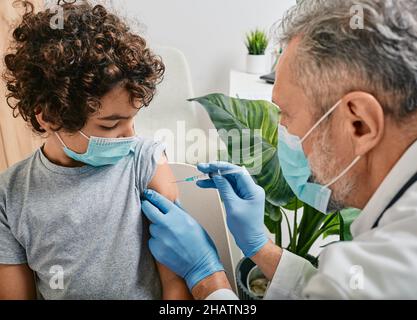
{"points": [[44, 124]]}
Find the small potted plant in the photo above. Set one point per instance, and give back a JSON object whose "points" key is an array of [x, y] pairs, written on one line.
{"points": [[256, 43]]}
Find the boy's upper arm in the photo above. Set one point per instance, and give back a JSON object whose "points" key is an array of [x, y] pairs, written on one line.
{"points": [[173, 286], [162, 181], [17, 282]]}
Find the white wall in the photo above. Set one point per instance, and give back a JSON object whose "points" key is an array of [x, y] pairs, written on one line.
{"points": [[210, 33]]}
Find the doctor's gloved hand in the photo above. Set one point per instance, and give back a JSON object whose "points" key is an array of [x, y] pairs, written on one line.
{"points": [[244, 202], [178, 241]]}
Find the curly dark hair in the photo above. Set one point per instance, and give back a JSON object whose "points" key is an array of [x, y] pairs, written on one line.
{"points": [[64, 72]]}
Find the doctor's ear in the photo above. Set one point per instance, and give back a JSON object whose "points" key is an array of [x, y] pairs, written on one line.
{"points": [[365, 120]]}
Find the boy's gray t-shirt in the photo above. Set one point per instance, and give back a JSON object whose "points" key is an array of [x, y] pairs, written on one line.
{"points": [[81, 225]]}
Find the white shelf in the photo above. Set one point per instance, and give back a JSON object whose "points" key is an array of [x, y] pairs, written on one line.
{"points": [[249, 86]]}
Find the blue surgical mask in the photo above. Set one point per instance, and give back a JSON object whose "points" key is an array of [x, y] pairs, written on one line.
{"points": [[102, 151], [296, 168]]}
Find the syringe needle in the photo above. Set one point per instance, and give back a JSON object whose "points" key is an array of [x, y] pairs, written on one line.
{"points": [[191, 179], [210, 175]]}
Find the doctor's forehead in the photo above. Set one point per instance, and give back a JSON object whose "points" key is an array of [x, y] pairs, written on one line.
{"points": [[284, 89], [288, 93]]}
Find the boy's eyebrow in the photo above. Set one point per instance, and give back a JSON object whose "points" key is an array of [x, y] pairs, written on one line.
{"points": [[114, 117]]}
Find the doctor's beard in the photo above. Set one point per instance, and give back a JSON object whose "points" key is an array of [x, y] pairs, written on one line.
{"points": [[326, 165]]}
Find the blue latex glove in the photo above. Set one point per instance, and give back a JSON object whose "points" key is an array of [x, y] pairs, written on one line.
{"points": [[178, 241], [244, 202]]}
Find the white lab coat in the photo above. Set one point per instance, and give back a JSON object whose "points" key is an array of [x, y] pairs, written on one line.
{"points": [[379, 263]]}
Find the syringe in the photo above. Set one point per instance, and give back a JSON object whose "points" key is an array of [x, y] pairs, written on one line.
{"points": [[210, 175]]}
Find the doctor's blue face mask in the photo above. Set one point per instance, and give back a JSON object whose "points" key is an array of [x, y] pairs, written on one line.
{"points": [[296, 168], [102, 151]]}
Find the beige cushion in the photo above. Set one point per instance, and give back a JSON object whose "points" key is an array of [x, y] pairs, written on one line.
{"points": [[16, 139]]}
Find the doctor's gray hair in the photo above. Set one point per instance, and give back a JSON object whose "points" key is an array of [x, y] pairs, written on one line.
{"points": [[335, 57]]}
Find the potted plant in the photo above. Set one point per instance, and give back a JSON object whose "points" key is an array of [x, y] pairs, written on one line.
{"points": [[256, 43], [281, 205]]}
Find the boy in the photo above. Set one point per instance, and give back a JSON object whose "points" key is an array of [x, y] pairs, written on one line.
{"points": [[70, 214]]}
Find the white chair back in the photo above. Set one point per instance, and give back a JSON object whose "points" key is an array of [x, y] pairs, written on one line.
{"points": [[174, 120]]}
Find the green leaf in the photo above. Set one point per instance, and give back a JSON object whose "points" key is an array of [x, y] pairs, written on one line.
{"points": [[334, 231], [273, 220], [239, 118], [275, 228], [347, 217], [273, 212], [310, 223], [270, 224], [293, 204]]}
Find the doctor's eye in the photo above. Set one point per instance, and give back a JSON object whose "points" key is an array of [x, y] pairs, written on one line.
{"points": [[284, 114]]}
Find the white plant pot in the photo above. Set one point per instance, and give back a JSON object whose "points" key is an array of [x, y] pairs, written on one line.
{"points": [[256, 64], [256, 274]]}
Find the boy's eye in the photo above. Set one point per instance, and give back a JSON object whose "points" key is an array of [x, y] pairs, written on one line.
{"points": [[108, 128]]}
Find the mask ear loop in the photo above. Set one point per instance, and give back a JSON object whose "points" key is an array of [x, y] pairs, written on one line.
{"points": [[314, 127], [84, 135], [343, 172], [321, 120], [63, 143], [59, 138]]}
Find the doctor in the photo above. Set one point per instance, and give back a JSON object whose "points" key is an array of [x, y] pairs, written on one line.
{"points": [[348, 132]]}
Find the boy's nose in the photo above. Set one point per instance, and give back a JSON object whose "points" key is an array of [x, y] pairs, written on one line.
{"points": [[129, 132]]}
